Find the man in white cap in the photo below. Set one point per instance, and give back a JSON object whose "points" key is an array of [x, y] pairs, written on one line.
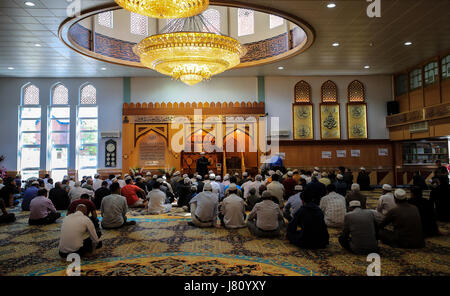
{"points": [[293, 204], [157, 200], [76, 192], [204, 208], [289, 184], [226, 180], [355, 194], [363, 179], [246, 185], [317, 169], [232, 209], [97, 182], [256, 184], [360, 230], [131, 193], [266, 218], [324, 179], [406, 221], [276, 189], [386, 202], [333, 207], [222, 187], [215, 185], [341, 186]]}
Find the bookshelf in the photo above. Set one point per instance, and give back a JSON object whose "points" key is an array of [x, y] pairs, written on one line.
{"points": [[424, 152]]}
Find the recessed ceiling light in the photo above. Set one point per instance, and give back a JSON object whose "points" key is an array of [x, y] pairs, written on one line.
{"points": [[29, 3], [366, 67], [331, 5], [408, 43], [103, 68], [10, 68], [37, 45], [280, 68], [336, 44]]}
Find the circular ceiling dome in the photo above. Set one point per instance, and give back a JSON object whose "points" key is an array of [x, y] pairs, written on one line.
{"points": [[109, 32]]}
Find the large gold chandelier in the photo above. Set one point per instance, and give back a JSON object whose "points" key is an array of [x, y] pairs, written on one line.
{"points": [[165, 8], [188, 55]]}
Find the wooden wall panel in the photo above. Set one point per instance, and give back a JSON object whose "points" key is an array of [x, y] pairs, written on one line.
{"points": [[445, 90], [416, 99], [396, 133], [432, 95], [403, 102]]}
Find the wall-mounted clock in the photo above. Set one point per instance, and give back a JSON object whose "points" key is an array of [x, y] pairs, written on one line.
{"points": [[110, 154]]}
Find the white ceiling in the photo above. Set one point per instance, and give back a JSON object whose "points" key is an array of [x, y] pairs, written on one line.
{"points": [[424, 22]]}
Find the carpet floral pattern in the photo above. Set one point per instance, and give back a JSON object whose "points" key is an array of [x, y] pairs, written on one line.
{"points": [[166, 245]]}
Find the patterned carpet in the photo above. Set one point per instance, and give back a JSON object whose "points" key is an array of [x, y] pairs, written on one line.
{"points": [[166, 245]]}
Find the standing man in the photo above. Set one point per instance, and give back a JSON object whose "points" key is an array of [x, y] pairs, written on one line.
{"points": [[202, 164]]}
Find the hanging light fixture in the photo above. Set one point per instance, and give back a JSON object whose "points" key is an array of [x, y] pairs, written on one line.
{"points": [[186, 52], [165, 8]]}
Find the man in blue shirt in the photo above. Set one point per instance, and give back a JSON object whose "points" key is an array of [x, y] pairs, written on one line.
{"points": [[29, 194], [293, 204]]}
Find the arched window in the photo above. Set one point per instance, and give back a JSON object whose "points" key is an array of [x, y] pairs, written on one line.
{"points": [[213, 20], [356, 92], [105, 19], [58, 132], [29, 148], [329, 92], [87, 132], [302, 92], [246, 22], [275, 21], [138, 24]]}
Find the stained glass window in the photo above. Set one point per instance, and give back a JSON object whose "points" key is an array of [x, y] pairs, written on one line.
{"points": [[88, 95], [60, 95], [246, 22], [415, 79], [446, 67], [275, 21], [138, 24], [431, 72], [106, 19], [31, 95], [213, 20]]}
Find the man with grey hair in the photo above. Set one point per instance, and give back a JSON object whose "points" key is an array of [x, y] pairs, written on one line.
{"points": [[360, 230], [232, 209], [266, 218], [406, 221], [97, 182], [355, 194], [204, 208], [386, 202], [256, 184], [89, 184], [76, 192]]}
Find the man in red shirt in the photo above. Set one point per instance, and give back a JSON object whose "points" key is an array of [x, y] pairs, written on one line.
{"points": [[289, 185], [130, 192], [90, 206]]}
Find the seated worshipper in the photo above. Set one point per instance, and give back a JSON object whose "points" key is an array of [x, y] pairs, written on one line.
{"points": [[360, 230], [233, 180], [100, 193], [8, 190], [222, 187], [232, 209], [252, 199], [363, 179], [114, 209], [341, 186], [355, 194], [440, 197], [266, 218], [318, 189], [164, 187], [293, 204], [289, 184], [59, 197], [386, 202], [276, 189], [73, 230], [157, 201], [76, 192], [49, 184], [325, 180], [405, 218], [215, 185], [204, 208], [310, 218], [256, 184], [333, 207], [226, 180], [426, 210], [140, 183], [42, 210], [90, 206], [97, 182], [30, 193], [89, 184], [184, 193], [200, 184], [130, 192], [6, 217]]}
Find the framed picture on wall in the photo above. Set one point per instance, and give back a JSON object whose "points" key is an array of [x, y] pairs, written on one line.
{"points": [[302, 114]]}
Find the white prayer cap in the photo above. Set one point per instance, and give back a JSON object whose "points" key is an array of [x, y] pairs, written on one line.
{"points": [[199, 177], [232, 187], [271, 173], [127, 178], [155, 176], [126, 175], [244, 174], [148, 174], [236, 174], [400, 194], [113, 180], [295, 171], [35, 183], [176, 173], [298, 188], [96, 176], [164, 177], [193, 187], [315, 173], [290, 174], [207, 187], [211, 172], [355, 187], [202, 153], [324, 174], [226, 177], [218, 178], [387, 187], [354, 203], [160, 180], [212, 176], [258, 177], [316, 169], [339, 177], [278, 172], [185, 176], [187, 180], [362, 168]]}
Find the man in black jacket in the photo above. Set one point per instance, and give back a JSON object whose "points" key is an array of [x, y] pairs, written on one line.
{"points": [[59, 197], [100, 194], [314, 232], [202, 164], [363, 179]]}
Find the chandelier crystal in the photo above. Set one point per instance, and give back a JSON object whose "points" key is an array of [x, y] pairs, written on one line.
{"points": [[165, 8], [189, 56]]}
